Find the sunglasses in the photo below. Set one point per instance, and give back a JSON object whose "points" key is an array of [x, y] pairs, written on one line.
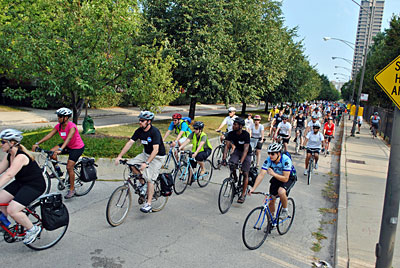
{"points": [[271, 153], [196, 128], [142, 120], [3, 142]]}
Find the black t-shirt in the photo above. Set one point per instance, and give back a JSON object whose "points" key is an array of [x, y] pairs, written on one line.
{"points": [[148, 139], [31, 173], [300, 121], [278, 119], [239, 140]]}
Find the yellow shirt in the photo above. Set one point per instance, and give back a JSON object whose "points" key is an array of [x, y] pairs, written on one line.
{"points": [[273, 112]]}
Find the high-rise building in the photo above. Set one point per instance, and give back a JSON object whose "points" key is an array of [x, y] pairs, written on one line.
{"points": [[362, 30]]}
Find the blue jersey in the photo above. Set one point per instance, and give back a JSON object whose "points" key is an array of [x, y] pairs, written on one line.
{"points": [[285, 164]]}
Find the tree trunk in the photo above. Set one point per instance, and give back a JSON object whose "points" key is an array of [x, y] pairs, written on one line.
{"points": [[266, 105], [192, 108], [77, 105], [244, 108]]}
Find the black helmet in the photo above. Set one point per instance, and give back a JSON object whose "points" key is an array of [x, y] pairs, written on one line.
{"points": [[284, 116], [198, 124], [239, 120]]}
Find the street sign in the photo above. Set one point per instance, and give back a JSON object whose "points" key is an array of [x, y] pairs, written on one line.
{"points": [[389, 80], [364, 97]]}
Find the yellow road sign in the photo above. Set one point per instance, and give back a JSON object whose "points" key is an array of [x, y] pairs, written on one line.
{"points": [[389, 80]]}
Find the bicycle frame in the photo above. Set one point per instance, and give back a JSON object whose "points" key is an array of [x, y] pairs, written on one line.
{"points": [[169, 156], [188, 165], [269, 198]]}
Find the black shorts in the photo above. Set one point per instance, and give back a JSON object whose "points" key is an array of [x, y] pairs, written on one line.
{"points": [[236, 156], [201, 156], [313, 150], [328, 137], [285, 138], [275, 184], [301, 130], [376, 126], [259, 145], [26, 193], [73, 154]]}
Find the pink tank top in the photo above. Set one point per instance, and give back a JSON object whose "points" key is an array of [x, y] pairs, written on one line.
{"points": [[76, 141]]}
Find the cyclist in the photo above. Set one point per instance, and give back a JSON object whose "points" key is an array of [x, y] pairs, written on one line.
{"points": [[274, 124], [72, 145], [284, 130], [314, 121], [317, 113], [152, 157], [201, 147], [248, 122], [314, 141], [28, 185], [327, 115], [257, 132], [375, 119], [272, 113], [280, 167], [299, 125], [181, 128], [228, 121], [242, 153], [329, 133]]}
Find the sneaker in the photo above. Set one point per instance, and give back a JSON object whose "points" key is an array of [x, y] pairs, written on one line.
{"points": [[323, 150], [283, 215], [295, 139], [70, 194], [31, 234], [327, 152], [202, 172], [305, 172], [316, 166], [146, 208], [358, 132]]}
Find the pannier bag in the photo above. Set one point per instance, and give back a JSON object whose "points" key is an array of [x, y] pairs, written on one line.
{"points": [[88, 170], [54, 212], [253, 173], [166, 182]]}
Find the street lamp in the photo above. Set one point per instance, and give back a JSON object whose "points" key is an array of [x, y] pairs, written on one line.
{"points": [[348, 69], [347, 60], [350, 44], [348, 76]]}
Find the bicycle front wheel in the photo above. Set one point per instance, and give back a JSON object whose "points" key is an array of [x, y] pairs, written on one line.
{"points": [[118, 205], [225, 197], [216, 158], [81, 187], [256, 228], [159, 201], [180, 180], [203, 180], [46, 239], [47, 180], [284, 224], [169, 165], [310, 170]]}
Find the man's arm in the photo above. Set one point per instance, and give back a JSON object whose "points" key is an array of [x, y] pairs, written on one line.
{"points": [[124, 150], [166, 134], [283, 178], [227, 146], [259, 179], [245, 151]]}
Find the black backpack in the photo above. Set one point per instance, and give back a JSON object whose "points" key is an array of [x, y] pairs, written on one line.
{"points": [[88, 170], [253, 173], [54, 212], [166, 181]]}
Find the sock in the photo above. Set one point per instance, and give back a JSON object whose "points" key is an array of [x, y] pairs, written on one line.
{"points": [[284, 209]]}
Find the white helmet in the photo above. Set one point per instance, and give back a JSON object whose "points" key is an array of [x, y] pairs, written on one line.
{"points": [[274, 147], [64, 112], [11, 134], [232, 109], [147, 115]]}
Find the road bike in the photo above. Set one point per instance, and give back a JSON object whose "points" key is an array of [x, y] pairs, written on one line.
{"points": [[216, 157], [311, 163], [260, 222], [46, 239], [182, 175], [120, 201], [49, 172]]}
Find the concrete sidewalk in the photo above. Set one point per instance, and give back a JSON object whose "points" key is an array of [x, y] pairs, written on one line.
{"points": [[364, 166]]}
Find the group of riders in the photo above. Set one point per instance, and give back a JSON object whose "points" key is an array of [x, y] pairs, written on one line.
{"points": [[29, 182]]}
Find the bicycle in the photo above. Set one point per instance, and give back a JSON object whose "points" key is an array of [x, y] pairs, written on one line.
{"points": [[120, 201], [217, 154], [260, 222], [181, 177], [311, 163], [229, 189], [81, 187], [46, 239], [171, 163]]}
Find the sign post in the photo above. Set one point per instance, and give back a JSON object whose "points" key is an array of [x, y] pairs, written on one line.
{"points": [[389, 80]]}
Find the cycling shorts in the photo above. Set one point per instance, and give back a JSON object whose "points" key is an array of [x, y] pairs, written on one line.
{"points": [[328, 137], [73, 154], [25, 193], [313, 150], [285, 138], [275, 184], [300, 129], [200, 157]]}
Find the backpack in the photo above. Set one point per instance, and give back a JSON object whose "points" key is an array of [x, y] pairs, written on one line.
{"points": [[166, 181], [188, 120], [88, 170], [54, 212], [293, 172]]}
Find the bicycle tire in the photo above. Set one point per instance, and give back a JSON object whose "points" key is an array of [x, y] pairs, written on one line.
{"points": [[81, 187], [180, 179], [310, 169], [203, 180], [284, 225], [256, 228], [169, 165], [159, 201], [297, 145], [226, 194], [46, 239], [123, 197], [47, 181], [216, 158]]}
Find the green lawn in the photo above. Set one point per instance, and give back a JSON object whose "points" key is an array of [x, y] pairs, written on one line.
{"points": [[9, 109]]}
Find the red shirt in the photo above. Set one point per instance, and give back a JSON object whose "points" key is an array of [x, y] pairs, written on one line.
{"points": [[329, 129]]}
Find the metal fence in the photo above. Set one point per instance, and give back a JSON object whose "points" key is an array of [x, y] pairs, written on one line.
{"points": [[386, 124]]}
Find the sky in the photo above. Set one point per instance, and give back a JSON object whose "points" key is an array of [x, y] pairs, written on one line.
{"points": [[316, 19]]}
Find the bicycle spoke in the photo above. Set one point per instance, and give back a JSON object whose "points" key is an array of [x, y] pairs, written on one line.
{"points": [[256, 228]]}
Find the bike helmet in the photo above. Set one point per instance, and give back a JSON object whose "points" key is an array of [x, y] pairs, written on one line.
{"points": [[257, 117], [314, 117], [239, 120], [11, 134], [316, 126], [330, 118], [316, 109], [284, 117], [232, 109], [300, 112], [274, 147], [63, 112], [146, 115], [198, 124], [376, 113], [176, 116]]}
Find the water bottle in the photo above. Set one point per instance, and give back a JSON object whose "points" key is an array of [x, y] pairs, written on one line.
{"points": [[143, 189], [4, 220]]}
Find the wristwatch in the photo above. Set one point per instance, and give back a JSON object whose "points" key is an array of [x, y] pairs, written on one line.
{"points": [[36, 143], [147, 163], [60, 149]]}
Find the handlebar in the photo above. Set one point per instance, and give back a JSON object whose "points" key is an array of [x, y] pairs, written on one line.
{"points": [[266, 194], [41, 150]]}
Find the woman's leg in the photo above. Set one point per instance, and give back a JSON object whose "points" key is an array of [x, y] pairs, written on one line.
{"points": [[5, 197], [71, 173], [14, 209]]}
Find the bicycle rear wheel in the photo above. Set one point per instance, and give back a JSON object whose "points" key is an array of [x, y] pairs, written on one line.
{"points": [[46, 239], [225, 197], [216, 158], [256, 228], [159, 201], [285, 224], [118, 205], [81, 187], [310, 170], [203, 180], [180, 179]]}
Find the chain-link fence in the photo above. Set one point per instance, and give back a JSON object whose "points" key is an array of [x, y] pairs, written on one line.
{"points": [[386, 123]]}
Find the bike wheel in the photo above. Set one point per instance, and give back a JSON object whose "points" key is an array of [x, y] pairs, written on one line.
{"points": [[159, 201], [256, 228], [225, 197], [46, 239], [169, 165], [118, 205], [310, 170], [216, 157], [81, 187], [203, 180], [285, 224], [297, 145], [180, 179], [47, 181]]}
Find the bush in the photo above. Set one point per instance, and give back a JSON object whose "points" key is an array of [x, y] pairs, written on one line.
{"points": [[107, 99]]}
